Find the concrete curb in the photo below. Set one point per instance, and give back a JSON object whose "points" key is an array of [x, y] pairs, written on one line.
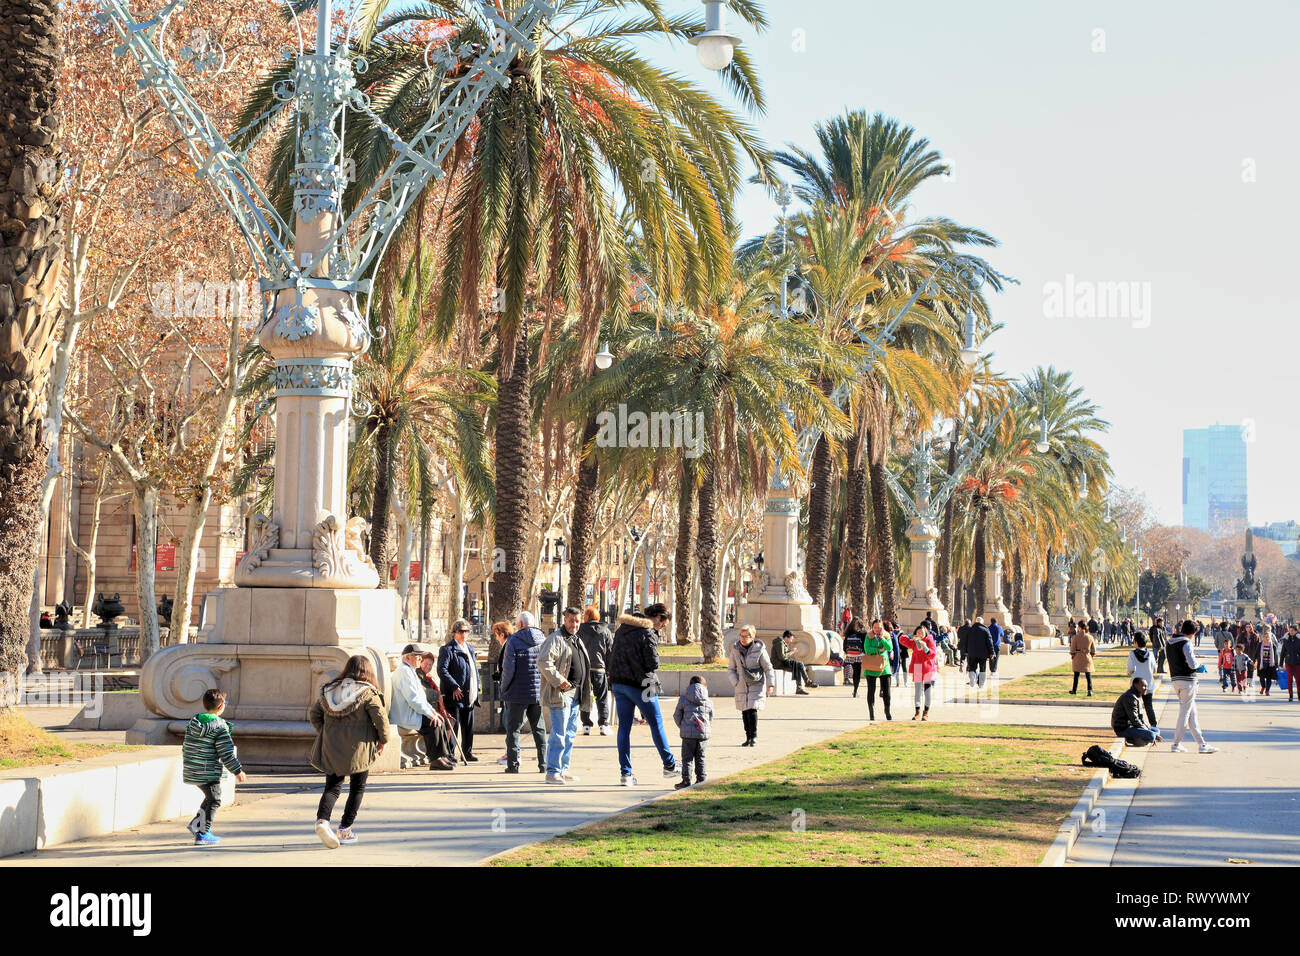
{"points": [[1069, 832]]}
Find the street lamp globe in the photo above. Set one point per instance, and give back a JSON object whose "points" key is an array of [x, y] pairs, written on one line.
{"points": [[715, 46], [604, 358], [1043, 446]]}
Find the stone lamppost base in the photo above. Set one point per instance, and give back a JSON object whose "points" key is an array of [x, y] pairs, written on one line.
{"points": [[270, 650]]}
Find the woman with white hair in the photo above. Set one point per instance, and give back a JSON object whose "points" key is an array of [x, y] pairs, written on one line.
{"points": [[751, 673]]}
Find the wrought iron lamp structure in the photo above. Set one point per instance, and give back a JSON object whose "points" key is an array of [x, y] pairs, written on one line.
{"points": [[315, 272]]}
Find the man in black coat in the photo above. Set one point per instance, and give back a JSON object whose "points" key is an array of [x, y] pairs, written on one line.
{"points": [[1159, 638], [979, 649], [599, 643], [633, 667]]}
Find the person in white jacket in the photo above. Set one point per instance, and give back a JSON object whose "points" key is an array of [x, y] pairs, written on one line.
{"points": [[410, 708], [1139, 665]]}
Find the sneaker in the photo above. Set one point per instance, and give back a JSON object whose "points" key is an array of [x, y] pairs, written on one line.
{"points": [[346, 836], [1209, 749], [570, 778], [502, 760], [700, 780], [327, 836], [810, 684], [1178, 749], [801, 692], [586, 731], [682, 785], [207, 839], [604, 731], [555, 778], [510, 769], [671, 772], [627, 780], [194, 825]]}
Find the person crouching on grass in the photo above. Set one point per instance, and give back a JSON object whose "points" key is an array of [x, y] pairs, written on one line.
{"points": [[694, 720], [206, 754]]}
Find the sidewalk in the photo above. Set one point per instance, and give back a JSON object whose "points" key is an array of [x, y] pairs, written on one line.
{"points": [[461, 818], [1238, 804]]}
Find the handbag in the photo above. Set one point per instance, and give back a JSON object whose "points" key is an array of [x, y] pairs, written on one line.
{"points": [[752, 675], [873, 662]]}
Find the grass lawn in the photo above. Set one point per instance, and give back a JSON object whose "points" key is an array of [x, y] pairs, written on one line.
{"points": [[675, 658], [23, 744], [893, 795], [1109, 679]]}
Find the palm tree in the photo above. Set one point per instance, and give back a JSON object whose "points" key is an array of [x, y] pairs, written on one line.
{"points": [[417, 410], [749, 376], [31, 275], [530, 223], [869, 167]]}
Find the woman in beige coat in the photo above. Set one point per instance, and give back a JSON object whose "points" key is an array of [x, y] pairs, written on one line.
{"points": [[1082, 650]]}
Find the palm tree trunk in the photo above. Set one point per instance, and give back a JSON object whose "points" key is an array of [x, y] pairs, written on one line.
{"points": [[31, 269], [1017, 589], [706, 555], [831, 587], [583, 526], [380, 504], [945, 543], [682, 559], [513, 475], [979, 564], [886, 564], [856, 543], [819, 517]]}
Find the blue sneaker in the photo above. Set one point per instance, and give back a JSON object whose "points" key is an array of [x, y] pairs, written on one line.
{"points": [[207, 839]]}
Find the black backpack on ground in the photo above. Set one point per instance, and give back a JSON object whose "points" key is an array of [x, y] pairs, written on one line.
{"points": [[1096, 756]]}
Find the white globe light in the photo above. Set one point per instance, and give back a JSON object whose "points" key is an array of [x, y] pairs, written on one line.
{"points": [[715, 52], [1042, 447], [604, 358]]}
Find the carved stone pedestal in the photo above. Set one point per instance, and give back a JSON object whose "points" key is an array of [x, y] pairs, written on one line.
{"points": [[1036, 622], [779, 601], [993, 603], [1061, 615], [922, 599], [270, 650]]}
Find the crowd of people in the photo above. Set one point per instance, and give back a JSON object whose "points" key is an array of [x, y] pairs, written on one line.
{"points": [[555, 684]]}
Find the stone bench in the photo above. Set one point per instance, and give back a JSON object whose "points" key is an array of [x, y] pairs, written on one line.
{"points": [[413, 752]]}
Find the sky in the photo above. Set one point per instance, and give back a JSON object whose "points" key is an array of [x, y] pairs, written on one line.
{"points": [[1132, 158]]}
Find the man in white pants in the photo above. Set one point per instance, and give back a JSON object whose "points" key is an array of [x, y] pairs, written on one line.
{"points": [[1182, 671]]}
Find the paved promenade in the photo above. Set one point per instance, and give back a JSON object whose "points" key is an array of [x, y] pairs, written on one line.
{"points": [[461, 818], [1240, 804]]}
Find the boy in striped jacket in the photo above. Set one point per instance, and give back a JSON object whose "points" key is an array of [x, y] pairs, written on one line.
{"points": [[207, 752]]}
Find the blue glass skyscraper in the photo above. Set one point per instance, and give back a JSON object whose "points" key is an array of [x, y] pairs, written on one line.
{"points": [[1214, 479]]}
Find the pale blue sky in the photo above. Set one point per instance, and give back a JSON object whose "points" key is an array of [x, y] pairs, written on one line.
{"points": [[1119, 166]]}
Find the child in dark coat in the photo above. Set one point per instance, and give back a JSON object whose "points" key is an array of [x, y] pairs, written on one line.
{"points": [[694, 719]]}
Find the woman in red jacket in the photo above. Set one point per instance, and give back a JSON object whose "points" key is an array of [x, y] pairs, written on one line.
{"points": [[923, 666]]}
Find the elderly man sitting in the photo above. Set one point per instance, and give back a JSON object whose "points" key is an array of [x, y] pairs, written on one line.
{"points": [[411, 710], [1128, 720]]}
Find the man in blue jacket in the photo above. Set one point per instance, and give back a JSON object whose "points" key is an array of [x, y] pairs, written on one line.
{"points": [[996, 632], [521, 690]]}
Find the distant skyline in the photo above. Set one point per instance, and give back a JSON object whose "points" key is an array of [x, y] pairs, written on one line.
{"points": [[1136, 163]]}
